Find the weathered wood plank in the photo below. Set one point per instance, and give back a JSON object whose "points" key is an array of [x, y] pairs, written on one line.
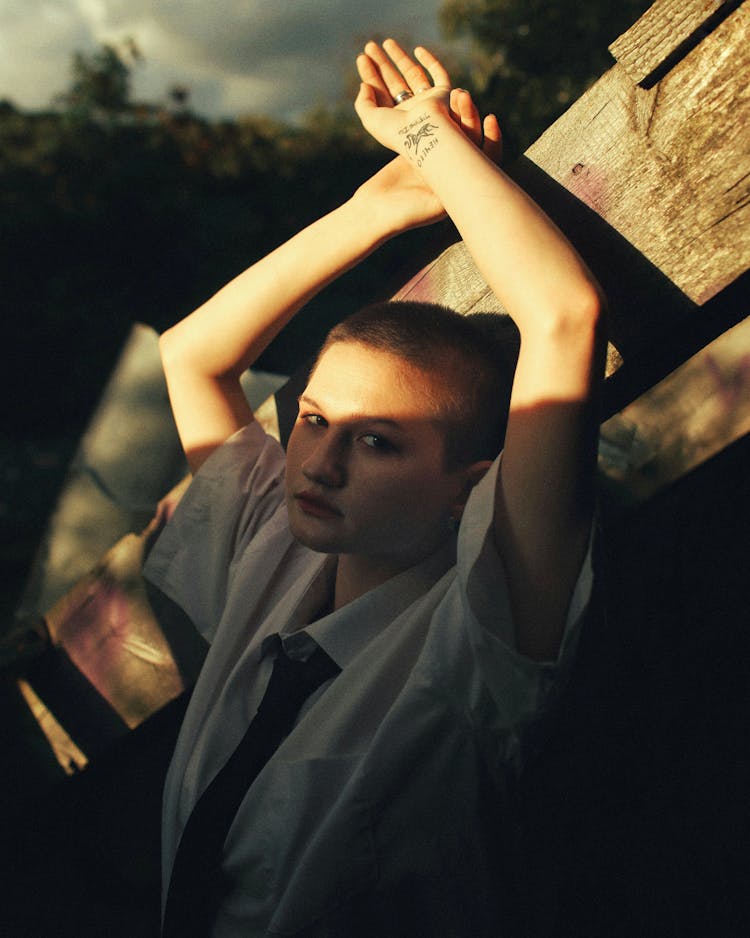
{"points": [[67, 753], [659, 33], [128, 456], [694, 413], [668, 167], [107, 628], [452, 279]]}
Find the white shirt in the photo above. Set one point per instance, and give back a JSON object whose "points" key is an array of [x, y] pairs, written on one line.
{"points": [[379, 779]]}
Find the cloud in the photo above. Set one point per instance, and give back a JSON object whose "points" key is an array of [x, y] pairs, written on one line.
{"points": [[235, 56], [37, 38]]}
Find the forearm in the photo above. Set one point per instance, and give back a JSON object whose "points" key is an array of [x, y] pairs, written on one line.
{"points": [[226, 335], [529, 264], [205, 354]]}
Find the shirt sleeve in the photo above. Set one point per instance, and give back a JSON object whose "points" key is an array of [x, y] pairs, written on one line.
{"points": [[234, 494], [514, 688]]}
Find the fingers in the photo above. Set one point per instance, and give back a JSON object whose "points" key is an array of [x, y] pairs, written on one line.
{"points": [[493, 139], [371, 76], [387, 72], [466, 115], [484, 134], [439, 75], [390, 77], [365, 100], [415, 76], [391, 71]]}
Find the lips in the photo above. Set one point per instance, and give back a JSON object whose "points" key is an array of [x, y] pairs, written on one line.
{"points": [[313, 504]]}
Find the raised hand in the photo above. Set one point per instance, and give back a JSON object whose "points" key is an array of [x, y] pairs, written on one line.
{"points": [[393, 79], [394, 84]]}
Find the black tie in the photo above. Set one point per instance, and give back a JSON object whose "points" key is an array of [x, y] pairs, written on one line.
{"points": [[195, 886]]}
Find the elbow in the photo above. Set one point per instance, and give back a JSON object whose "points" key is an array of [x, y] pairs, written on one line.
{"points": [[183, 352], [577, 318], [581, 320], [593, 317], [169, 344], [181, 359], [174, 356], [585, 310], [594, 308]]}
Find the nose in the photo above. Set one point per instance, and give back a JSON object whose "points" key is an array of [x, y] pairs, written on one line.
{"points": [[326, 464]]}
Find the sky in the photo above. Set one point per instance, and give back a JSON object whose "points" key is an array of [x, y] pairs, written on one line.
{"points": [[276, 57]]}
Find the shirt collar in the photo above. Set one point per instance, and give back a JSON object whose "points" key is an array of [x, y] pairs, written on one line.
{"points": [[345, 633]]}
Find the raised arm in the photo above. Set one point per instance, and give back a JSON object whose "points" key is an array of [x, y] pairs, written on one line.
{"points": [[545, 491], [205, 354]]}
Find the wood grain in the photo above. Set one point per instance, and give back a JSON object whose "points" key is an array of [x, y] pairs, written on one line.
{"points": [[694, 413], [668, 167], [660, 32]]}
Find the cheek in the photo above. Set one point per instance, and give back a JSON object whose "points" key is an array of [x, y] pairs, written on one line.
{"points": [[294, 452], [406, 499], [291, 470]]}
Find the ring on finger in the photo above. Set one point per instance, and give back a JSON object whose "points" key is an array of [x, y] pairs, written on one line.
{"points": [[403, 96]]}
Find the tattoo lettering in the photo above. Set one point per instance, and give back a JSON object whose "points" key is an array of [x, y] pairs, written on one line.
{"points": [[426, 149], [421, 141], [415, 123]]}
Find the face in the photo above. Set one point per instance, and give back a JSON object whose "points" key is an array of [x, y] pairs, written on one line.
{"points": [[365, 462]]}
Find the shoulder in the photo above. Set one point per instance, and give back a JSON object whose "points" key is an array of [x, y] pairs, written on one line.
{"points": [[250, 457], [234, 495]]}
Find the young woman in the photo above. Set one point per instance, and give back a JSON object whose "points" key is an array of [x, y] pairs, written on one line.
{"points": [[441, 581]]}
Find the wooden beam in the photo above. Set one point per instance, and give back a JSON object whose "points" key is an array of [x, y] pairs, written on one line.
{"points": [[669, 167], [693, 414], [664, 35]]}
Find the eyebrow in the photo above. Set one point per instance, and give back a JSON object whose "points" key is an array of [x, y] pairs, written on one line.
{"points": [[370, 418]]}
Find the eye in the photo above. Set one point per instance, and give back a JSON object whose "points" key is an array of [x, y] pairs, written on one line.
{"points": [[314, 420], [377, 442]]}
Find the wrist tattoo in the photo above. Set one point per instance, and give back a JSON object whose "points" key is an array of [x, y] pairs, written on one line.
{"points": [[419, 138]]}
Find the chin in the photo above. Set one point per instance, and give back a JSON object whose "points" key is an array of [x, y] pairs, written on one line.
{"points": [[316, 541], [315, 546]]}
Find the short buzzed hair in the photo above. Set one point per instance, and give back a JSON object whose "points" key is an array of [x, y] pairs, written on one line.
{"points": [[474, 356]]}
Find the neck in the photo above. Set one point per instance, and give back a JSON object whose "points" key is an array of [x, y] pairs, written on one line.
{"points": [[356, 575]]}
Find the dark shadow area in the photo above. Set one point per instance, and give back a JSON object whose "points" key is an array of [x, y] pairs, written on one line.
{"points": [[80, 857], [636, 807], [634, 799], [76, 703]]}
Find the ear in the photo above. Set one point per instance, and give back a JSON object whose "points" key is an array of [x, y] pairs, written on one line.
{"points": [[471, 475]]}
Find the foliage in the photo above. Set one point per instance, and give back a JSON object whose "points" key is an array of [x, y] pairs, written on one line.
{"points": [[113, 211], [101, 81], [528, 60]]}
